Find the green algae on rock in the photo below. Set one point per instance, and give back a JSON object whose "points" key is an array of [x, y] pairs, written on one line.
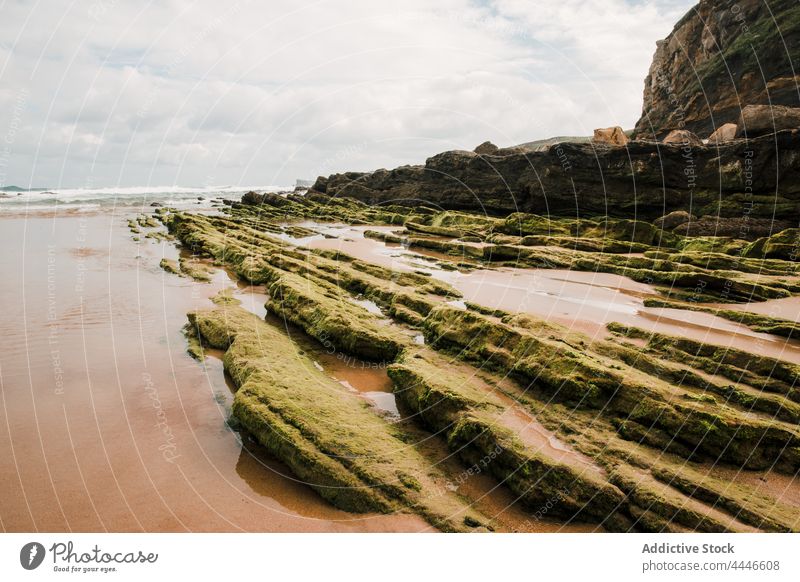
{"points": [[170, 266], [633, 414], [322, 431], [567, 368], [323, 313], [452, 400], [195, 269]]}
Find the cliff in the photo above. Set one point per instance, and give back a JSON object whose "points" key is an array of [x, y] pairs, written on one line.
{"points": [[720, 57]]}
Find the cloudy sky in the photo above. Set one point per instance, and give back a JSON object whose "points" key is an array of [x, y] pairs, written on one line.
{"points": [[116, 92]]}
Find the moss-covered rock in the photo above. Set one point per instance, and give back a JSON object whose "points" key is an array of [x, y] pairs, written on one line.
{"points": [[559, 365], [783, 245], [197, 270], [656, 406], [322, 431], [475, 420], [322, 312], [170, 266]]}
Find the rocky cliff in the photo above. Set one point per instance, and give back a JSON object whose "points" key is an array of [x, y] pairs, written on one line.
{"points": [[722, 62], [645, 179], [720, 57]]}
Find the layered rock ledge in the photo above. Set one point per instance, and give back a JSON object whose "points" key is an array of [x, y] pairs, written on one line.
{"points": [[757, 177]]}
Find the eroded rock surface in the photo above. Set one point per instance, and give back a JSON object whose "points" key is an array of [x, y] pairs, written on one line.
{"points": [[635, 431], [643, 179], [721, 56]]}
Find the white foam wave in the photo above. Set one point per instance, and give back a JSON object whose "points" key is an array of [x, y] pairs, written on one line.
{"points": [[110, 196]]}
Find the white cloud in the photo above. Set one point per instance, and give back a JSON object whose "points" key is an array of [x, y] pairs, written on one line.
{"points": [[245, 92]]}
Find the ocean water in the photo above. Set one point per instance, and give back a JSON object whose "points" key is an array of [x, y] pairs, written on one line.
{"points": [[92, 199]]}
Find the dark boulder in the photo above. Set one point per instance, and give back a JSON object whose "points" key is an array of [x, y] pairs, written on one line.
{"points": [[673, 219], [270, 198]]}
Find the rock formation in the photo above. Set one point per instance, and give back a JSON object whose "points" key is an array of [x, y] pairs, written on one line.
{"points": [[721, 56], [610, 136], [486, 147], [758, 120], [637, 430], [739, 51], [643, 179], [723, 134], [674, 219], [681, 137]]}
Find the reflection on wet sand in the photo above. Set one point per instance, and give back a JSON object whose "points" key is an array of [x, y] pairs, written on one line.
{"points": [[109, 424]]}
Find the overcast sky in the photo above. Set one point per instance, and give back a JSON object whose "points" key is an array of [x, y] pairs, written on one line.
{"points": [[112, 92]]}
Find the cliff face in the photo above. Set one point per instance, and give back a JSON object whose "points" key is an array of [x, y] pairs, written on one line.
{"points": [[720, 57], [644, 179]]}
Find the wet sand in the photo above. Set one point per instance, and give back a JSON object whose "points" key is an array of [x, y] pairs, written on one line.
{"points": [[107, 423]]}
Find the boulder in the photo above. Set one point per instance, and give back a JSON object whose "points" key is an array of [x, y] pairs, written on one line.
{"points": [[610, 136], [486, 148], [782, 245], [723, 134], [758, 120], [682, 137], [673, 219], [270, 198]]}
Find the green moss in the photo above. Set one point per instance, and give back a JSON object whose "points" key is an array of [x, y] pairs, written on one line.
{"points": [[561, 368], [473, 418], [194, 346], [712, 244], [652, 497], [322, 312], [784, 245], [610, 397], [170, 266], [522, 224], [147, 221], [195, 269], [321, 430], [225, 297], [158, 235]]}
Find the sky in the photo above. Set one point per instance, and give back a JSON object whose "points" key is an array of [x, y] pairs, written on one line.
{"points": [[254, 93]]}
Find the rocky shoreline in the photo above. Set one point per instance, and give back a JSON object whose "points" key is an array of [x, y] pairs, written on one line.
{"points": [[632, 431], [633, 362]]}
